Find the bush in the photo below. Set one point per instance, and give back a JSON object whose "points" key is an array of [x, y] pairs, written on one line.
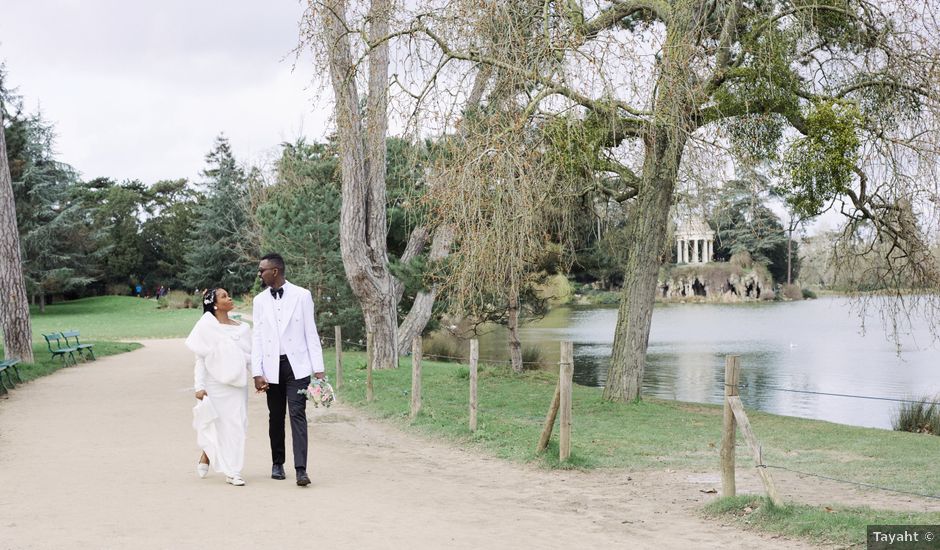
{"points": [[118, 289], [791, 292], [532, 358], [177, 299], [809, 294], [921, 416], [440, 347]]}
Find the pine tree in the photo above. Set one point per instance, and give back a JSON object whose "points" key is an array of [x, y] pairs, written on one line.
{"points": [[216, 241], [299, 219]]}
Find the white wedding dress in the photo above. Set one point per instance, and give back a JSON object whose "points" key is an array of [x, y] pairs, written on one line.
{"points": [[222, 353]]}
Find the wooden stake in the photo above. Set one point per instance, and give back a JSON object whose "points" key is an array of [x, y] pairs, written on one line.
{"points": [[474, 357], [338, 334], [370, 392], [732, 371], [752, 442], [549, 420], [565, 374], [415, 376]]}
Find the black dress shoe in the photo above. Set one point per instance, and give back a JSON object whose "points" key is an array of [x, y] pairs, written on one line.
{"points": [[302, 478], [277, 472]]}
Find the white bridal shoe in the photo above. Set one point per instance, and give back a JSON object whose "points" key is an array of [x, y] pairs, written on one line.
{"points": [[202, 470], [235, 480]]}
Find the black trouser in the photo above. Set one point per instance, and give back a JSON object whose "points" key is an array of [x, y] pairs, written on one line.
{"points": [[282, 397]]}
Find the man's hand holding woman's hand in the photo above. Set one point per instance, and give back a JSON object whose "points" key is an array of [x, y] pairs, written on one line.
{"points": [[261, 385]]}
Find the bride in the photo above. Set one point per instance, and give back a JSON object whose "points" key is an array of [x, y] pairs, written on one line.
{"points": [[223, 352]]}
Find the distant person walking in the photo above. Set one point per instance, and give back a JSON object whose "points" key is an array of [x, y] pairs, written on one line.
{"points": [[285, 353], [223, 352]]}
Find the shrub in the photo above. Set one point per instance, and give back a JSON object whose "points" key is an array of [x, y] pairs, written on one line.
{"points": [[532, 358], [791, 292], [177, 299], [922, 416], [113, 289], [440, 347], [809, 294]]}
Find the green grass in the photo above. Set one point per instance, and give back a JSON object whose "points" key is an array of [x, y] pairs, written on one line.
{"points": [[821, 524], [651, 434], [114, 318]]}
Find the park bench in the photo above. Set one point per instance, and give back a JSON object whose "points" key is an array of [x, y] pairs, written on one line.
{"points": [[82, 348], [61, 349], [8, 366]]}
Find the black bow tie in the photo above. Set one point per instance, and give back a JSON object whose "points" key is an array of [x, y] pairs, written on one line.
{"points": [[277, 292]]}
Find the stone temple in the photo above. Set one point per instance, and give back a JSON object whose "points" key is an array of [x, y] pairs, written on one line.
{"points": [[695, 241]]}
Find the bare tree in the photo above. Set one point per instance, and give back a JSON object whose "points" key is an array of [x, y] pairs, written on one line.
{"points": [[840, 96], [14, 311], [362, 128]]}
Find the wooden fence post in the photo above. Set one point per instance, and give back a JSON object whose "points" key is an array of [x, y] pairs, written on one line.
{"points": [[752, 442], [370, 392], [338, 334], [549, 420], [732, 370], [415, 376], [474, 357], [565, 374]]}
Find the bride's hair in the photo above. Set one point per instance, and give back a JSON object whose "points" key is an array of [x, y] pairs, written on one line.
{"points": [[208, 300]]}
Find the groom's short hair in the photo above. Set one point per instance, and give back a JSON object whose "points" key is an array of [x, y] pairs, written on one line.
{"points": [[275, 259]]}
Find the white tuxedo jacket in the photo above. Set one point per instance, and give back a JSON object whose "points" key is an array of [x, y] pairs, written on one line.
{"points": [[294, 327]]}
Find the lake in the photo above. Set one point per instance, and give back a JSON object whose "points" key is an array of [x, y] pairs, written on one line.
{"points": [[785, 348]]}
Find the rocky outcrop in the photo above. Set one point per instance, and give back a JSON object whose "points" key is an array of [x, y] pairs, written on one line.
{"points": [[715, 282]]}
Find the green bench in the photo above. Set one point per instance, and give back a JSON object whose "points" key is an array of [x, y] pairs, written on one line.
{"points": [[82, 348], [8, 366], [62, 348]]}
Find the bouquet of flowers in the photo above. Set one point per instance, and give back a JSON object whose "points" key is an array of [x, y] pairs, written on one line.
{"points": [[320, 392]]}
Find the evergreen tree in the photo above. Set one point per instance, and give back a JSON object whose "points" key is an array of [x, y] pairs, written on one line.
{"points": [[217, 238], [299, 219], [743, 222], [165, 232], [47, 216]]}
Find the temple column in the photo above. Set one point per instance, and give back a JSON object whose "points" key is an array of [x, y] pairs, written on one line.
{"points": [[678, 251], [695, 252]]}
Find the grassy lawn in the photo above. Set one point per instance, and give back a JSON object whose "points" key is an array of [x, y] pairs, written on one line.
{"points": [[833, 524], [114, 318]]}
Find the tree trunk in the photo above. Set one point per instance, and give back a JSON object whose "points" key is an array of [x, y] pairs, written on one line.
{"points": [[42, 301], [512, 322], [647, 227], [790, 255], [14, 310], [649, 219], [362, 148], [413, 324], [384, 333]]}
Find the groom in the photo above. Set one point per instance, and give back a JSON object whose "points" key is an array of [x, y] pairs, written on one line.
{"points": [[285, 351]]}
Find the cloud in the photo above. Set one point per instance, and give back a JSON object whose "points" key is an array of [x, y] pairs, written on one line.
{"points": [[140, 90]]}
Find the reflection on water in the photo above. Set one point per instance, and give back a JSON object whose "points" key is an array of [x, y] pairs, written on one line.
{"points": [[814, 345]]}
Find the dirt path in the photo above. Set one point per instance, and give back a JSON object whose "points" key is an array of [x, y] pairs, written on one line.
{"points": [[102, 455]]}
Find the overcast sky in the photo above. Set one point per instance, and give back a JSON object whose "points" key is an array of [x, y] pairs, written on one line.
{"points": [[140, 90]]}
